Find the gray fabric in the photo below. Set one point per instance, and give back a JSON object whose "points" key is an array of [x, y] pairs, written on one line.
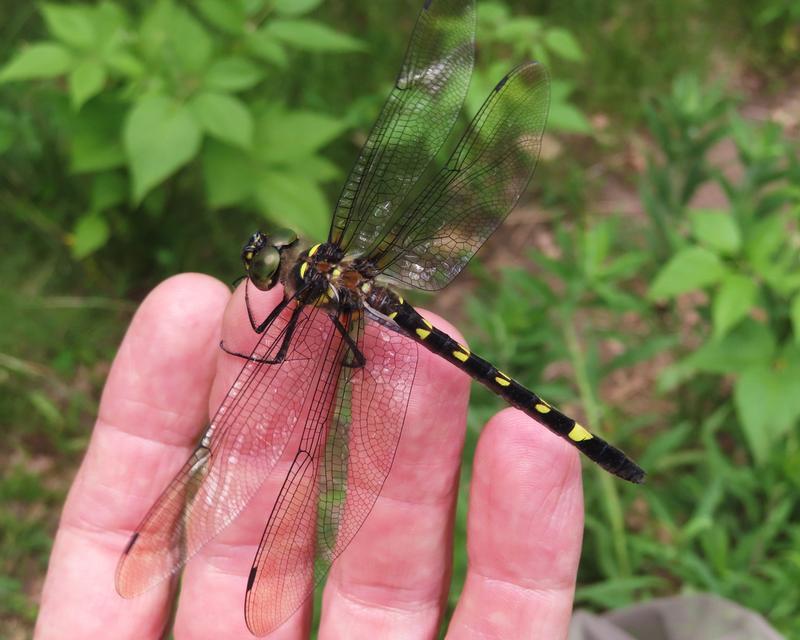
{"points": [[700, 617]]}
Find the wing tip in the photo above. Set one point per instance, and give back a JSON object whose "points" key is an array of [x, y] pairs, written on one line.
{"points": [[530, 66], [130, 544]]}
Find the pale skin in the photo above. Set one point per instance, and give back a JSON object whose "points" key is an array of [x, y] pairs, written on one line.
{"points": [[525, 511]]}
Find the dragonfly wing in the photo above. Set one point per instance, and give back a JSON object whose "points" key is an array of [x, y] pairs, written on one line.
{"points": [[241, 446], [414, 123], [495, 159], [336, 476]]}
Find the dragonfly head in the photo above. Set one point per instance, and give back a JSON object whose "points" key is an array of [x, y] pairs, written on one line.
{"points": [[262, 255]]}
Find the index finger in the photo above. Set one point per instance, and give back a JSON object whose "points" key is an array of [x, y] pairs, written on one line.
{"points": [[154, 404]]}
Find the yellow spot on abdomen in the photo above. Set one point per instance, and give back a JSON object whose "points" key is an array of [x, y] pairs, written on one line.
{"points": [[424, 332], [502, 379], [462, 354], [303, 269], [579, 434], [541, 407], [393, 315], [313, 249]]}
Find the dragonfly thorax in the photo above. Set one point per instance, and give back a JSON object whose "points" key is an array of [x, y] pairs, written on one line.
{"points": [[324, 276]]}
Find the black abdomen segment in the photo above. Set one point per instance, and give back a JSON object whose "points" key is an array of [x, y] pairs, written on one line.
{"points": [[593, 447]]}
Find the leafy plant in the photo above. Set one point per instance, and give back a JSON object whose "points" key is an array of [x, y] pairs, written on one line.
{"points": [[504, 37], [742, 256], [176, 86]]}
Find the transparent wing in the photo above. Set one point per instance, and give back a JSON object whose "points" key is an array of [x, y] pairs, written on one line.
{"points": [[241, 446], [452, 217], [337, 474], [414, 123]]}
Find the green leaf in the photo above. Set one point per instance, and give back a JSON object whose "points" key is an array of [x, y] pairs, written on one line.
{"points": [[748, 344], [734, 299], [567, 118], [689, 269], [312, 36], [233, 74], [764, 239], [564, 116], [285, 136], [294, 7], [767, 399], [226, 15], [125, 63], [90, 234], [108, 190], [563, 43], [264, 46], [716, 229], [317, 168], [225, 117], [172, 40], [96, 137], [794, 312], [112, 25], [48, 409], [160, 137], [518, 29], [294, 201], [41, 60], [86, 81], [190, 43], [230, 175], [72, 24]]}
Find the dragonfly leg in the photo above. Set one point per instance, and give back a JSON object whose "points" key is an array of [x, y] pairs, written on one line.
{"points": [[357, 360], [287, 337], [260, 328]]}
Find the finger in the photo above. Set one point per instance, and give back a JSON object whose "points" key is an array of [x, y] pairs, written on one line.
{"points": [[154, 404], [392, 580], [524, 534], [214, 582]]}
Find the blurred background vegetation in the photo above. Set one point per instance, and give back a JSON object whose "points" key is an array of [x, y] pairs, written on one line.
{"points": [[657, 254]]}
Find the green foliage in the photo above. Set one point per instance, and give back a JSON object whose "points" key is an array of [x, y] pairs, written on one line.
{"points": [[156, 92], [526, 38], [742, 257]]}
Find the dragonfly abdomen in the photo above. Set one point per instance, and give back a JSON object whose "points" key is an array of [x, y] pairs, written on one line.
{"points": [[437, 341]]}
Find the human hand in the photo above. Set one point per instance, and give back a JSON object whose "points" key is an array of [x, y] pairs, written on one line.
{"points": [[525, 520]]}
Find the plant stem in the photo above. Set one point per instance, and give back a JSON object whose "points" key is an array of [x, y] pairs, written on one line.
{"points": [[592, 409]]}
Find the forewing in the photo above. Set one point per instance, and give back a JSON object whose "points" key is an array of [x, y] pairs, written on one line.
{"points": [[336, 475], [239, 449], [483, 179], [414, 123]]}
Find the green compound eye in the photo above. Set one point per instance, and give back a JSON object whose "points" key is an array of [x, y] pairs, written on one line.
{"points": [[282, 238], [263, 268]]}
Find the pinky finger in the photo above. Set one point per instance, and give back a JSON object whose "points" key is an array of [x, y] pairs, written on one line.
{"points": [[524, 534]]}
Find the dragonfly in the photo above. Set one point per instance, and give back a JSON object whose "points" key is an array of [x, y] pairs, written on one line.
{"points": [[334, 364]]}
